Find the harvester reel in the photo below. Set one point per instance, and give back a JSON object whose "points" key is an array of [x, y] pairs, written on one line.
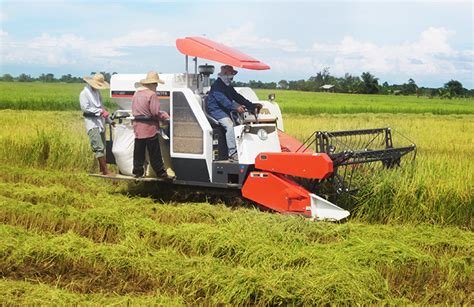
{"points": [[356, 156]]}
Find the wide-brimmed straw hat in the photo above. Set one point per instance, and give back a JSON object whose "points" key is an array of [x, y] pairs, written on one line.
{"points": [[139, 87], [152, 77], [225, 69], [97, 82]]}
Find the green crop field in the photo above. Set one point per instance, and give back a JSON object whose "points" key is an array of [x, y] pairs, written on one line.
{"points": [[62, 96], [67, 238], [42, 96], [316, 103]]}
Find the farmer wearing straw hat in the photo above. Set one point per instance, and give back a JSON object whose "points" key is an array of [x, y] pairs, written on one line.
{"points": [[146, 113], [95, 116]]}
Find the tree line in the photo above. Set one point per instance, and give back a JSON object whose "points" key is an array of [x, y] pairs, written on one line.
{"points": [[366, 83], [50, 78]]}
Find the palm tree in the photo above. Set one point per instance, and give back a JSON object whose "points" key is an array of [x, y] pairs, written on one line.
{"points": [[370, 84]]}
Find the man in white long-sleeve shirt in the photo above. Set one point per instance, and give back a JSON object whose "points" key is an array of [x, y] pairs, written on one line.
{"points": [[95, 116]]}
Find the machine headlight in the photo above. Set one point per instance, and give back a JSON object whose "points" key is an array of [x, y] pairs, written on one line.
{"points": [[262, 134]]}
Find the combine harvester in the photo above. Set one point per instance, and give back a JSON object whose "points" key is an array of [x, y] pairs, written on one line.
{"points": [[274, 170]]}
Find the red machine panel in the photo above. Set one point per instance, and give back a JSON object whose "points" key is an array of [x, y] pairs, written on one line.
{"points": [[290, 144], [306, 165], [277, 192], [206, 49]]}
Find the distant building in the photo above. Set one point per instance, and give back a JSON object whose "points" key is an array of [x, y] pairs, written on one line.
{"points": [[328, 87]]}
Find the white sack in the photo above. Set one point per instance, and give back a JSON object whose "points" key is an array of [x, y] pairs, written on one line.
{"points": [[122, 148]]}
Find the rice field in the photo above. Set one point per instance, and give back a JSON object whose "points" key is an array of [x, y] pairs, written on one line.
{"points": [[308, 103], [67, 238], [64, 96], [42, 96]]}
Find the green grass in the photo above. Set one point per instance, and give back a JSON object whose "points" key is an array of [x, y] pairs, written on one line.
{"points": [[308, 103], [63, 96], [43, 96]]}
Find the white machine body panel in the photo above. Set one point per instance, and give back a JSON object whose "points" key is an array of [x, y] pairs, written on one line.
{"points": [[247, 92], [122, 86], [254, 139], [196, 108], [120, 82]]}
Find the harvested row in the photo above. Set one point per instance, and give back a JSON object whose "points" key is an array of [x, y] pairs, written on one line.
{"points": [[142, 216], [389, 267], [86, 266], [78, 182], [56, 194], [192, 229], [247, 239], [51, 219], [13, 292]]}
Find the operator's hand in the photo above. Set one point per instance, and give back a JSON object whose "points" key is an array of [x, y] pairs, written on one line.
{"points": [[113, 124], [240, 109], [104, 113], [258, 107]]}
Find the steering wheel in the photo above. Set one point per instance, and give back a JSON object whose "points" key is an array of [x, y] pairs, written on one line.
{"points": [[237, 118]]}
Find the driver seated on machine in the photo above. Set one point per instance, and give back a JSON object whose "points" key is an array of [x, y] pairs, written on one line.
{"points": [[222, 100]]}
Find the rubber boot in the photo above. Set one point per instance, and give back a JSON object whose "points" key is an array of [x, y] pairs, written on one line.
{"points": [[103, 167]]}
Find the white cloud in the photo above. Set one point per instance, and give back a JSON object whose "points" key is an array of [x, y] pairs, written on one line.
{"points": [[430, 54], [302, 65], [71, 49], [245, 36], [435, 41]]}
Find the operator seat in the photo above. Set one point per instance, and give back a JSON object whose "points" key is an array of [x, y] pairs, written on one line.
{"points": [[220, 149], [214, 123]]}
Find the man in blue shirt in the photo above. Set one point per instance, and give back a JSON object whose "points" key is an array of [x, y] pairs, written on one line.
{"points": [[222, 100]]}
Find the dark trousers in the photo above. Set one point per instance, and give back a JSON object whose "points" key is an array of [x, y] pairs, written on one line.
{"points": [[153, 146]]}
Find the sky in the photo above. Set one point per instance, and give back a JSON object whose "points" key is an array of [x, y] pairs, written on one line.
{"points": [[430, 42]]}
